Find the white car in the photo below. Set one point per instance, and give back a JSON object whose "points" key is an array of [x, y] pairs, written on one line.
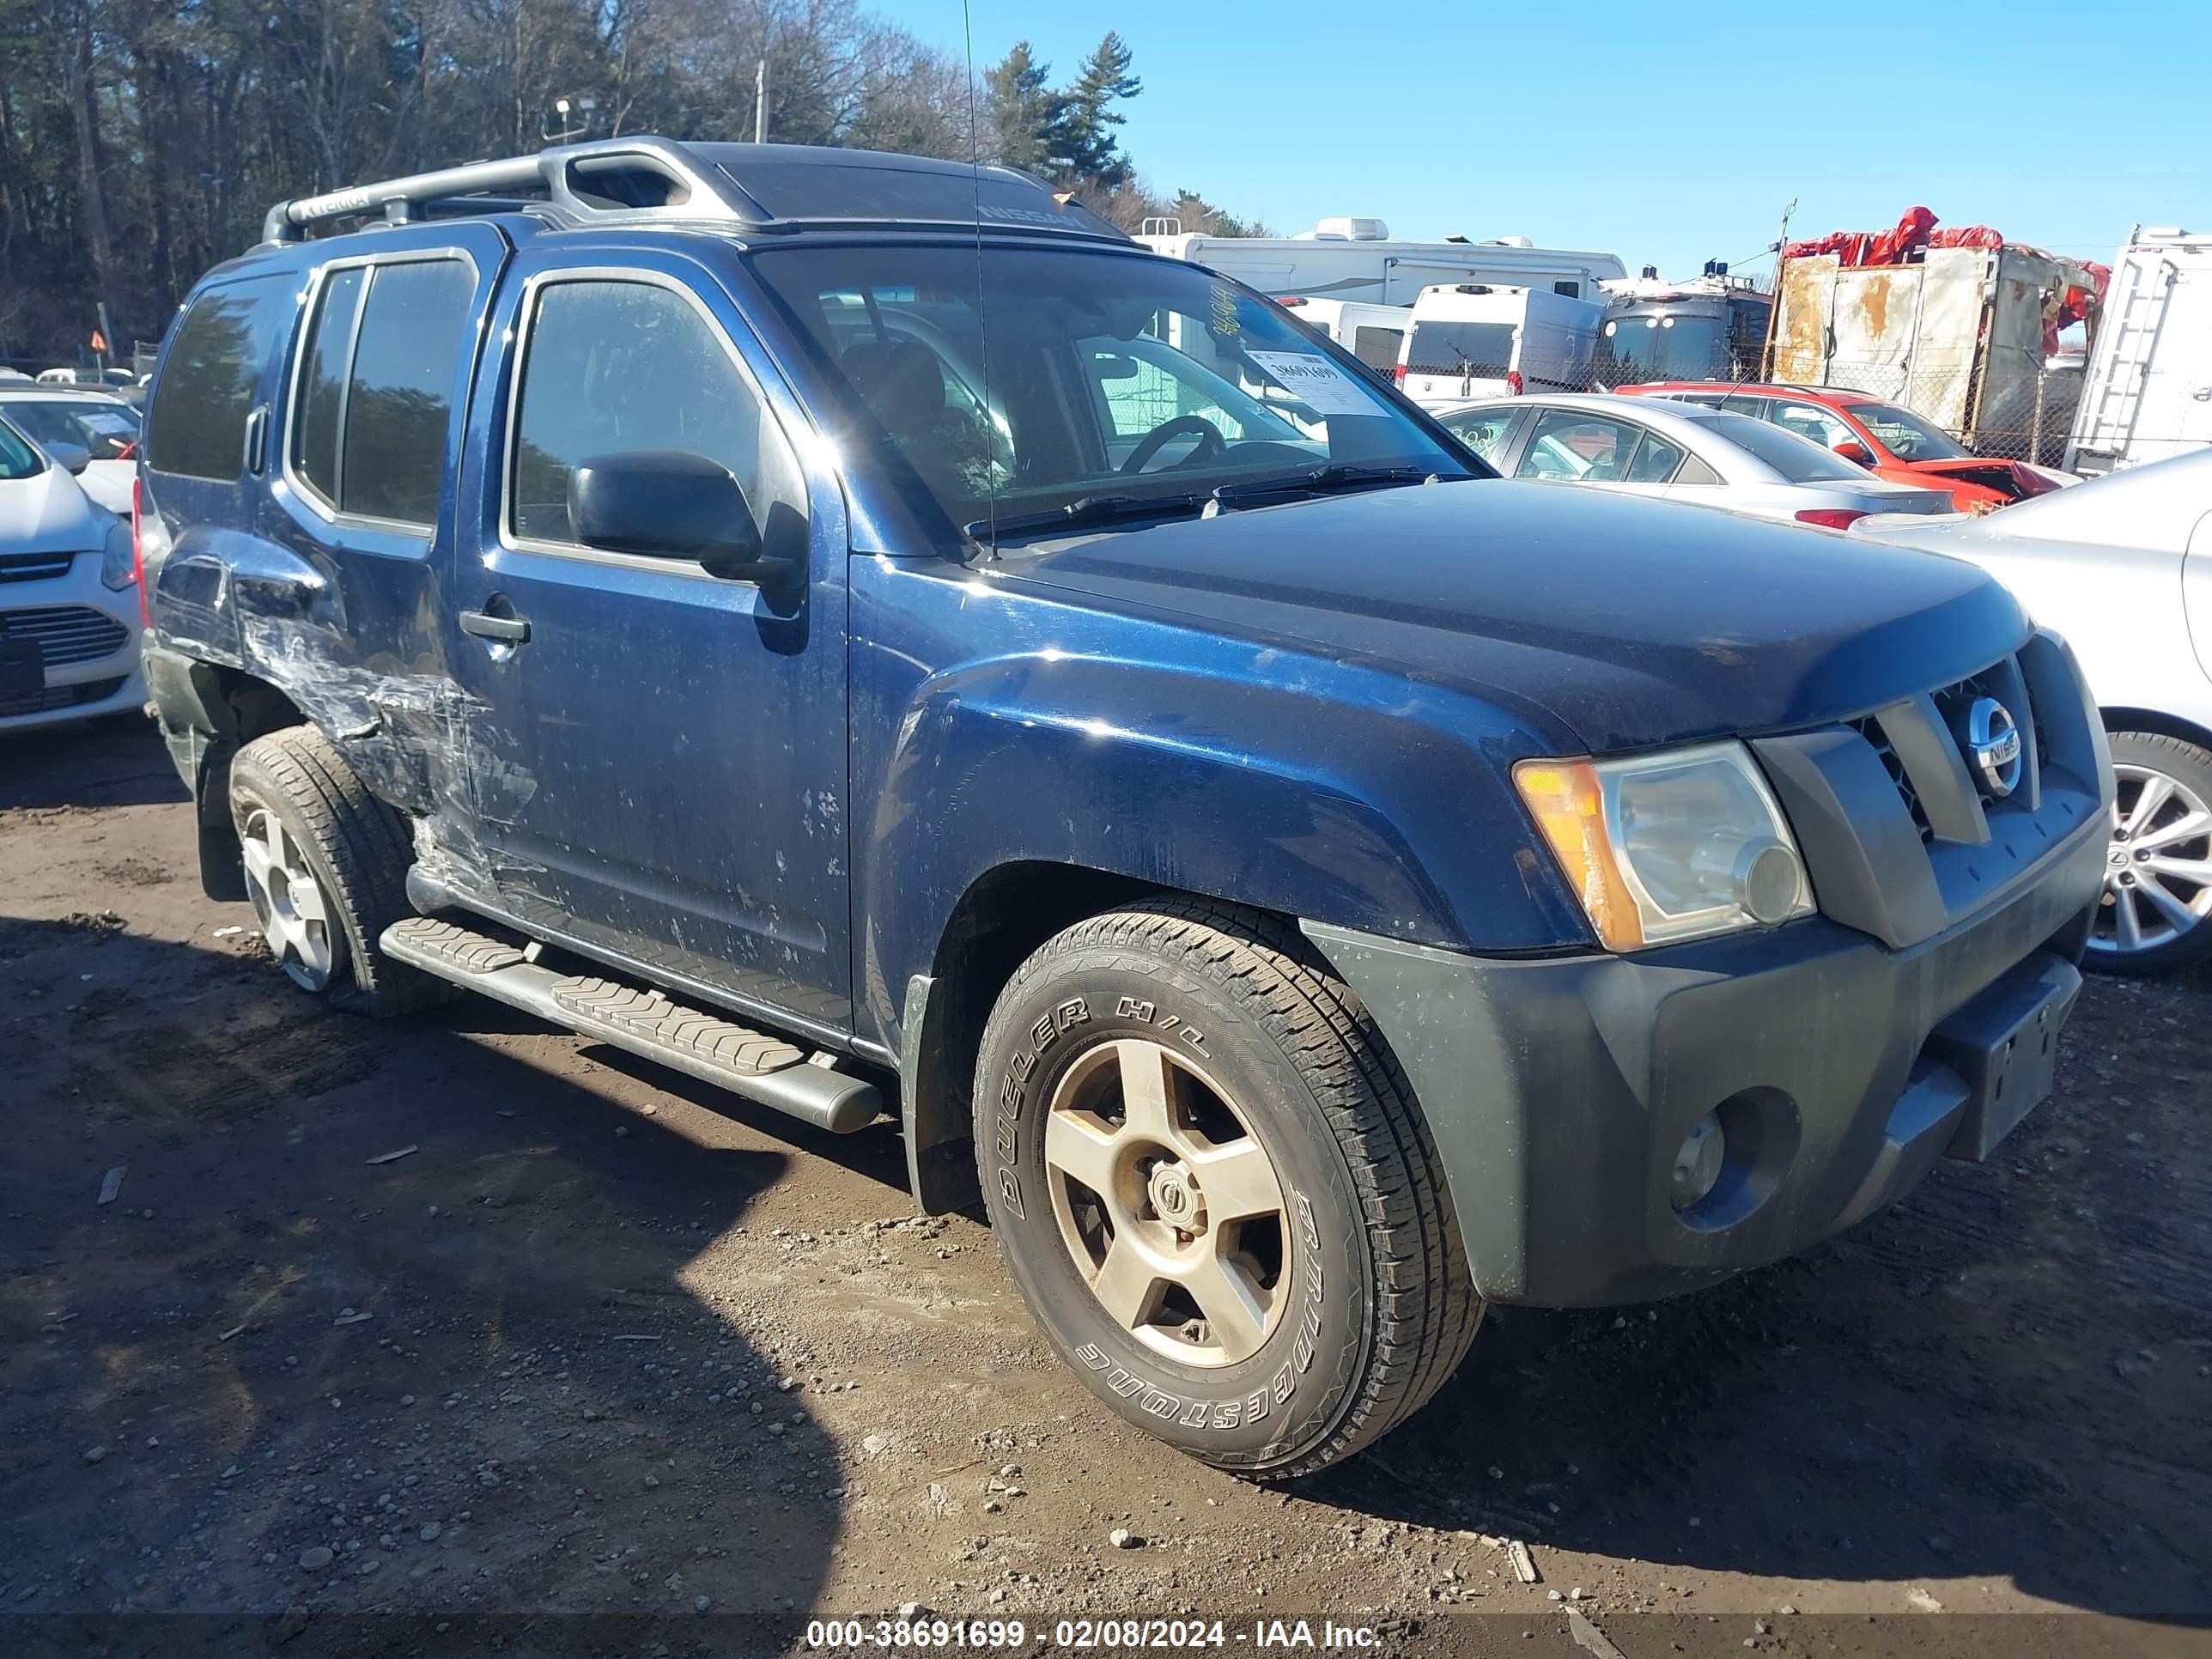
{"points": [[1678, 452], [101, 423], [69, 620], [2122, 565]]}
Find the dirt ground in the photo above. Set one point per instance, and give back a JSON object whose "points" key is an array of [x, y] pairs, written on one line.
{"points": [[608, 1362]]}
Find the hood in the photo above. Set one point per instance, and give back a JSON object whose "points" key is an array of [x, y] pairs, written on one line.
{"points": [[49, 513], [1626, 623], [2010, 481]]}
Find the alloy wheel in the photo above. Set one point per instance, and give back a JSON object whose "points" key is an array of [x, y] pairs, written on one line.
{"points": [[1167, 1204], [2158, 865], [294, 913]]}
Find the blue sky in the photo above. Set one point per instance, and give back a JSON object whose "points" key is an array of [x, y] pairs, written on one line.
{"points": [[1668, 133]]}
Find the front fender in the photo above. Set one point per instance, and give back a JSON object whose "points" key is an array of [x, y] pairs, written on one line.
{"points": [[1321, 789]]}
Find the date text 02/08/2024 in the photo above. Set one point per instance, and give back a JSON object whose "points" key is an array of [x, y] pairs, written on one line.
{"points": [[1084, 1634]]}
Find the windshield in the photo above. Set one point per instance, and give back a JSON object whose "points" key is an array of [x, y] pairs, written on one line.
{"points": [[1905, 435], [1662, 346], [18, 459], [1443, 347], [103, 430], [1798, 459], [1082, 374]]}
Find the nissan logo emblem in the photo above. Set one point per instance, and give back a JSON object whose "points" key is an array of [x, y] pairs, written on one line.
{"points": [[1993, 745]]}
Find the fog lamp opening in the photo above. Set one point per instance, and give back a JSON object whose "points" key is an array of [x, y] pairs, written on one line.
{"points": [[1699, 1160]]}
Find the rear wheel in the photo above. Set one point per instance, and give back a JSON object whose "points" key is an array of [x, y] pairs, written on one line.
{"points": [[325, 867], [2156, 912], [1211, 1184]]}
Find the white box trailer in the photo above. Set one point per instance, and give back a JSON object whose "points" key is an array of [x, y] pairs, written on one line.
{"points": [[2147, 391], [1469, 340], [1357, 259]]}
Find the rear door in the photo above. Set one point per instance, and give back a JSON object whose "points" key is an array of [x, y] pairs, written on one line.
{"points": [[659, 754]]}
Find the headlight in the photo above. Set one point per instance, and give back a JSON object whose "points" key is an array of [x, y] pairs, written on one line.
{"points": [[118, 567], [1667, 847]]}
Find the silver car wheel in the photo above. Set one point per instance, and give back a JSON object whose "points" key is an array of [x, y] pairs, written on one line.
{"points": [[1168, 1203], [294, 913], [2158, 867]]}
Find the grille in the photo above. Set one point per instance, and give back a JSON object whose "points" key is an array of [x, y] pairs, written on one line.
{"points": [[1870, 729], [33, 567], [61, 696], [2001, 680], [68, 633]]}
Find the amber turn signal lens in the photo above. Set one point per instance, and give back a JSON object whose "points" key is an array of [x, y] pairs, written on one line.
{"points": [[1568, 807]]}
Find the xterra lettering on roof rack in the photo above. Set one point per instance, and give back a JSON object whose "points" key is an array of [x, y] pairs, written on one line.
{"points": [[759, 190]]}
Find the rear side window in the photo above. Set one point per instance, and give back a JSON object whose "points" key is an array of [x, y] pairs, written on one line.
{"points": [[1795, 458], [197, 428], [400, 400], [1654, 461], [373, 403]]}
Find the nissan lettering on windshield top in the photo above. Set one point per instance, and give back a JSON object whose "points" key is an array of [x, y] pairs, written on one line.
{"points": [[1059, 389]]}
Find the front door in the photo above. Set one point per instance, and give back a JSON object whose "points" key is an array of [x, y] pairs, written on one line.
{"points": [[657, 756]]}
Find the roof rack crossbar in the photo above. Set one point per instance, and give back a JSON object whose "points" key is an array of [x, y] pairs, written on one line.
{"points": [[694, 190]]}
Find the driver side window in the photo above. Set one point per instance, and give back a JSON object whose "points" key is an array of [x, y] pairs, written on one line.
{"points": [[614, 366]]}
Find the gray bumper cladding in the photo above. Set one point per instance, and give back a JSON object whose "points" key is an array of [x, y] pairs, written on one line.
{"points": [[1560, 1091]]}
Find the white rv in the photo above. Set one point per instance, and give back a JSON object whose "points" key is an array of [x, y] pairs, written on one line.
{"points": [[1370, 333], [1469, 340], [1357, 259], [2147, 393]]}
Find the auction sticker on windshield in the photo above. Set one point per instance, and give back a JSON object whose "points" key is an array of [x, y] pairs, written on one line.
{"points": [[1317, 382]]}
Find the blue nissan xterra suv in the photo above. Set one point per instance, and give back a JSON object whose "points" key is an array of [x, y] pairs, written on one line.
{"points": [[857, 630]]}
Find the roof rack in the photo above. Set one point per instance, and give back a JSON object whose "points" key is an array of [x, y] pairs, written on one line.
{"points": [[657, 180], [569, 183]]}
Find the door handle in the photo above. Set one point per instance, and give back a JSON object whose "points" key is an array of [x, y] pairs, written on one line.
{"points": [[511, 630]]}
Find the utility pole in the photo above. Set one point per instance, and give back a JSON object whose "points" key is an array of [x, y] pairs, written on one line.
{"points": [[1780, 241], [760, 103]]}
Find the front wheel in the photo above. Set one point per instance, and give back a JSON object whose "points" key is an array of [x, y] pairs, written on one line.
{"points": [[1210, 1182], [2156, 912]]}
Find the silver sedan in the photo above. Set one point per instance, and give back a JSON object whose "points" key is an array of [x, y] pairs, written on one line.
{"points": [[2121, 566], [1678, 452]]}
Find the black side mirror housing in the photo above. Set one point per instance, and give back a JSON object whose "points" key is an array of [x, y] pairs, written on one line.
{"points": [[671, 504]]}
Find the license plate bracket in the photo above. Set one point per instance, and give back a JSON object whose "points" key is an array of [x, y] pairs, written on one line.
{"points": [[2004, 1044], [22, 668]]}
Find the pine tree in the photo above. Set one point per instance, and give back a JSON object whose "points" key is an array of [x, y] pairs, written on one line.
{"points": [[1086, 150], [1027, 115]]}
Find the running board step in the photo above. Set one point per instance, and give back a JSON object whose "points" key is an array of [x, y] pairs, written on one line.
{"points": [[648, 1023]]}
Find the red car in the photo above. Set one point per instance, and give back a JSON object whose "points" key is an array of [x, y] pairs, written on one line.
{"points": [[1890, 443]]}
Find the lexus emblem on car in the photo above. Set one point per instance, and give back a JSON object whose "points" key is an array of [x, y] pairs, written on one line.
{"points": [[1993, 743]]}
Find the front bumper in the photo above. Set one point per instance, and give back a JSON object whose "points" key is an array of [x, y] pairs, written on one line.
{"points": [[71, 612], [1558, 1091], [1916, 1015]]}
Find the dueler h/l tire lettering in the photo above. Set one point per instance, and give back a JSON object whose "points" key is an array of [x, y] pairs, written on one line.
{"points": [[1210, 1182]]}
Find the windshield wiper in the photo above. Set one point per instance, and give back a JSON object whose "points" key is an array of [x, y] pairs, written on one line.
{"points": [[1322, 481], [1085, 512]]}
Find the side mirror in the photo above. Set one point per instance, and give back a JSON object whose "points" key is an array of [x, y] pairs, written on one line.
{"points": [[70, 458], [1855, 451], [670, 504]]}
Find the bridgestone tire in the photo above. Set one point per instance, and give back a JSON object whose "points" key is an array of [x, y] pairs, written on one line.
{"points": [[358, 849], [1380, 1305]]}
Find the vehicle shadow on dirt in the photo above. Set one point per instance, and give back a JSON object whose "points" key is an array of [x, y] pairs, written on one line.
{"points": [[367, 1326], [118, 760], [2004, 1376]]}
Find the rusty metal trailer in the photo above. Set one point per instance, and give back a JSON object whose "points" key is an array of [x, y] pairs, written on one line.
{"points": [[1957, 336]]}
